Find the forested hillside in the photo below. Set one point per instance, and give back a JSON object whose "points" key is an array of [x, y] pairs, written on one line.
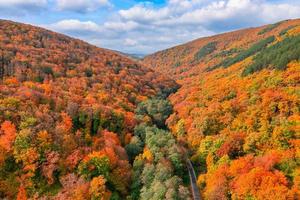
{"points": [[238, 110], [66, 115]]}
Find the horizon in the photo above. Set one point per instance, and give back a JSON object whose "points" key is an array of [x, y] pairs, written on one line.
{"points": [[145, 27]]}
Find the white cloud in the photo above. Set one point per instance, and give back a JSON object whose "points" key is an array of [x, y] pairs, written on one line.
{"points": [[145, 28], [130, 42], [21, 7], [75, 26], [7, 3], [201, 12], [121, 26], [81, 5], [142, 14]]}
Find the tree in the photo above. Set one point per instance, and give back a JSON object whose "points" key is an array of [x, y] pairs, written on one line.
{"points": [[134, 148], [50, 166], [148, 174], [94, 164], [98, 189], [157, 109], [8, 135], [21, 193], [261, 184], [66, 124]]}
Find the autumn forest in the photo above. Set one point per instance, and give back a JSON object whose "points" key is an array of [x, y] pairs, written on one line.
{"points": [[81, 122]]}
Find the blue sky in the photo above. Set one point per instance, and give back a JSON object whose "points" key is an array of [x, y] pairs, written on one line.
{"points": [[138, 26]]}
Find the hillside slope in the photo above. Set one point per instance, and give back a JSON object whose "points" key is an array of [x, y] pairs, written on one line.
{"points": [[66, 112], [196, 56], [238, 110]]}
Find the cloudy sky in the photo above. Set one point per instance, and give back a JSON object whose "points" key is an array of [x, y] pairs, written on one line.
{"points": [[138, 26]]}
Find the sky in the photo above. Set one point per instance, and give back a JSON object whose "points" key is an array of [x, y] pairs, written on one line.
{"points": [[144, 27]]}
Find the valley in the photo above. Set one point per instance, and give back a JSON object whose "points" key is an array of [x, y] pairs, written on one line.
{"points": [[82, 122]]}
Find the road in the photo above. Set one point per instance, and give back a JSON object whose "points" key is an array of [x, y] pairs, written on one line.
{"points": [[193, 180]]}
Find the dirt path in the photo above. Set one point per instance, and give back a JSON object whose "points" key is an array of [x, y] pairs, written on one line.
{"points": [[193, 180]]}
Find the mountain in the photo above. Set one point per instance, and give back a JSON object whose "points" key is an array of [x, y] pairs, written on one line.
{"points": [[135, 56], [238, 109], [66, 114]]}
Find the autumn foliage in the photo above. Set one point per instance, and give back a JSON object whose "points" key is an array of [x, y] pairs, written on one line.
{"points": [[65, 109], [81, 122], [8, 135], [238, 110]]}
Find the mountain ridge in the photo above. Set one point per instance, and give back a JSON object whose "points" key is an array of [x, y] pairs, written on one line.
{"points": [[238, 110]]}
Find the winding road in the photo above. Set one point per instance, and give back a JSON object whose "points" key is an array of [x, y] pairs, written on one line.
{"points": [[193, 180]]}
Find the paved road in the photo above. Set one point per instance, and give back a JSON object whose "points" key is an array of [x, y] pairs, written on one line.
{"points": [[193, 180]]}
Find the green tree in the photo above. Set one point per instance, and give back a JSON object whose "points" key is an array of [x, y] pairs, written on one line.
{"points": [[134, 148], [158, 110], [94, 167]]}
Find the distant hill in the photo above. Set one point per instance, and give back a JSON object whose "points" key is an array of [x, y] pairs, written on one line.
{"points": [[136, 56], [133, 56], [238, 109]]}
